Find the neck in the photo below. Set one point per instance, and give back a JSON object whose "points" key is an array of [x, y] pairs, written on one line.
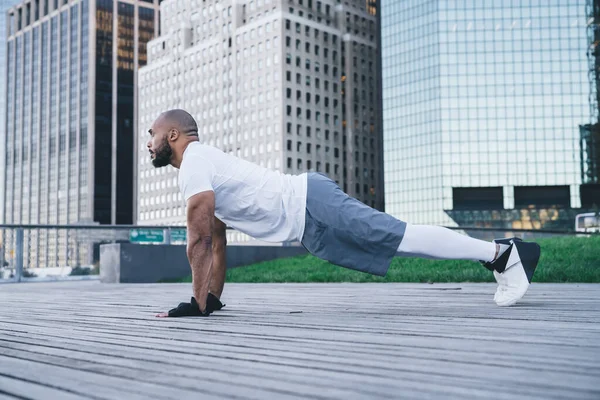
{"points": [[178, 156]]}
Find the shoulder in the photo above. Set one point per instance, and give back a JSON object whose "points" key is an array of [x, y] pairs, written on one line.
{"points": [[195, 155]]}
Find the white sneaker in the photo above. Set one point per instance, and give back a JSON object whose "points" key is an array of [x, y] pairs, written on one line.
{"points": [[514, 270]]}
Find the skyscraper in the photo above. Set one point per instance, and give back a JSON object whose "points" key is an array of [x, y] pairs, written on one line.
{"points": [[71, 112], [4, 6], [482, 107], [290, 85], [590, 131]]}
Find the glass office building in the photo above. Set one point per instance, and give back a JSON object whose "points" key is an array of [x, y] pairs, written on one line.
{"points": [[4, 6], [71, 115], [482, 107]]}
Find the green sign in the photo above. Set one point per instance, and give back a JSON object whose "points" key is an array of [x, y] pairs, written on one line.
{"points": [[178, 235], [146, 236]]}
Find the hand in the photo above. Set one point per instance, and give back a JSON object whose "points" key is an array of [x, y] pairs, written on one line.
{"points": [[190, 309]]}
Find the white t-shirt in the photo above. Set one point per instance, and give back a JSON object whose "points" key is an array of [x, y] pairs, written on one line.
{"points": [[260, 202]]}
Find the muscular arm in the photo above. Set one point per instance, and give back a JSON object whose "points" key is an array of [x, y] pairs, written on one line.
{"points": [[200, 223], [219, 265]]}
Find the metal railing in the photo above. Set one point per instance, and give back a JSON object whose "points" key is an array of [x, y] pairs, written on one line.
{"points": [[51, 252], [58, 250]]}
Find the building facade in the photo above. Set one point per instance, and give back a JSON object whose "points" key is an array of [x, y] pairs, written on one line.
{"points": [[71, 115], [289, 85], [482, 106], [4, 7]]}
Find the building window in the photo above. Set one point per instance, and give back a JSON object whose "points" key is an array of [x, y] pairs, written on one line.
{"points": [[477, 198]]}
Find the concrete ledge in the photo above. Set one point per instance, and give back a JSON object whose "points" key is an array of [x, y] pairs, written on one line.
{"points": [[134, 263]]}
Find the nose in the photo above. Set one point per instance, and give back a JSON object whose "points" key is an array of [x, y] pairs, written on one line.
{"points": [[149, 144]]}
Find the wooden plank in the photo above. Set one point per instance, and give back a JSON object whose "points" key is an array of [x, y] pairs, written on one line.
{"points": [[249, 345], [6, 396], [73, 377], [301, 355], [365, 340], [27, 389]]}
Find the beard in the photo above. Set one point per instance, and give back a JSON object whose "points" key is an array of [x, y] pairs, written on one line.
{"points": [[162, 155]]}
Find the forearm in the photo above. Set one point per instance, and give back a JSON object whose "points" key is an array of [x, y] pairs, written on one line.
{"points": [[200, 256], [219, 268]]}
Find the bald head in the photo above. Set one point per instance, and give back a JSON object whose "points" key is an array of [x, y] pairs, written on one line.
{"points": [[170, 134], [180, 120]]}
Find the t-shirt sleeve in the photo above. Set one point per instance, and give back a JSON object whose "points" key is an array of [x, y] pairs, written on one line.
{"points": [[196, 176]]}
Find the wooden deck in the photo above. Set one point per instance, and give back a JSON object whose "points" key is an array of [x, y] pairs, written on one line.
{"points": [[348, 341]]}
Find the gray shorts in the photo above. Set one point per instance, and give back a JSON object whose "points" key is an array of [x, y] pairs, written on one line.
{"points": [[345, 231]]}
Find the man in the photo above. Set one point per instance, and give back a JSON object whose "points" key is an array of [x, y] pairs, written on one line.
{"points": [[221, 190]]}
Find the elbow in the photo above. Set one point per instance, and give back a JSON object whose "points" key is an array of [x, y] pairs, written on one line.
{"points": [[202, 243], [199, 248]]}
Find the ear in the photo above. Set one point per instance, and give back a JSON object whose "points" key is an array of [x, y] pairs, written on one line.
{"points": [[173, 135]]}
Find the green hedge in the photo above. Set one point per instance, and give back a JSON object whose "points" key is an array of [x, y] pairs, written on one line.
{"points": [[564, 259]]}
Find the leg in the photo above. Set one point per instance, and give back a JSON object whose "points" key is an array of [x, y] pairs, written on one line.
{"points": [[512, 260], [439, 243]]}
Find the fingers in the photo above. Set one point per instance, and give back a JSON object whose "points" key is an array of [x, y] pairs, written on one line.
{"points": [[162, 315]]}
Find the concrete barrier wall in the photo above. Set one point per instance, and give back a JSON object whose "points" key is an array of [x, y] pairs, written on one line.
{"points": [[134, 263]]}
